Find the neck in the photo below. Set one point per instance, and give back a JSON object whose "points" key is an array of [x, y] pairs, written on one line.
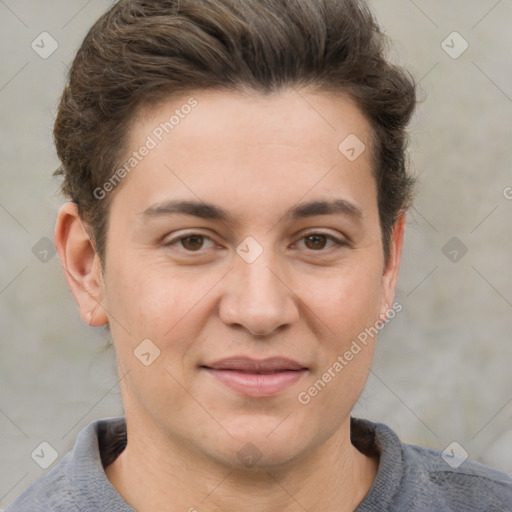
{"points": [[155, 474]]}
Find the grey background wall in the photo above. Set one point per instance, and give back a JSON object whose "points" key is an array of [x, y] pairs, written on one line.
{"points": [[442, 371]]}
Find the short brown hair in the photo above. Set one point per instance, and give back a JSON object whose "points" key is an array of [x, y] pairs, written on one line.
{"points": [[142, 51]]}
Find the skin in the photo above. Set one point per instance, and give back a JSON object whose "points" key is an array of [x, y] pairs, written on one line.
{"points": [[199, 301]]}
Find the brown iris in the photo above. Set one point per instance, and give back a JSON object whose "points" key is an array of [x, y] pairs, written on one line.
{"points": [[193, 242], [319, 241]]}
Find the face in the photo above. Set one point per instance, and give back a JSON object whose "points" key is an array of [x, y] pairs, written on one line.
{"points": [[246, 247]]}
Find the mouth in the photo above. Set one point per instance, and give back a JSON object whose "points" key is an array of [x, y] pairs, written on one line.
{"points": [[256, 378]]}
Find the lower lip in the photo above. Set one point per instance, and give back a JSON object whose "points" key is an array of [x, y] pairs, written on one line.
{"points": [[257, 385]]}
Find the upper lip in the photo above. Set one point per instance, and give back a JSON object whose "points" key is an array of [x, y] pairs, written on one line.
{"points": [[247, 364]]}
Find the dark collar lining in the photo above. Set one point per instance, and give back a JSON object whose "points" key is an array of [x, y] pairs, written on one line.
{"points": [[112, 439]]}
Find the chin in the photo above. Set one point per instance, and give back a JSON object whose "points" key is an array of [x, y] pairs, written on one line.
{"points": [[260, 456], [264, 447]]}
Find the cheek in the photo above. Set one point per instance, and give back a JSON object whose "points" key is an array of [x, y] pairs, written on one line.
{"points": [[348, 307], [348, 300], [142, 294], [157, 302], [139, 307]]}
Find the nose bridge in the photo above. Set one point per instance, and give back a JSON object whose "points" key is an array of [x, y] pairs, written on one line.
{"points": [[257, 298]]}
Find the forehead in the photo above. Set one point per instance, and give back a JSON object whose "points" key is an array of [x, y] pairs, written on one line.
{"points": [[276, 147], [216, 112]]}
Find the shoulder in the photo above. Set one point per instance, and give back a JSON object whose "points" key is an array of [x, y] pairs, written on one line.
{"points": [[415, 478], [49, 493], [459, 482], [78, 483]]}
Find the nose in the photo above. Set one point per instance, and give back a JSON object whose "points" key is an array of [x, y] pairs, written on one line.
{"points": [[258, 298]]}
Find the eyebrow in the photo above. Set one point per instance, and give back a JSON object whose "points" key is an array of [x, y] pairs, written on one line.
{"points": [[213, 212]]}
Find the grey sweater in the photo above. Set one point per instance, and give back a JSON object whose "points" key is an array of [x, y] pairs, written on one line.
{"points": [[409, 479]]}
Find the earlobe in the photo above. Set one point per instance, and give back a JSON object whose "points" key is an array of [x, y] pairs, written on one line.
{"points": [[390, 275], [81, 265]]}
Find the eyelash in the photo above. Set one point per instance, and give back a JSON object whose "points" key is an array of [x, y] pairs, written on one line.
{"points": [[337, 242]]}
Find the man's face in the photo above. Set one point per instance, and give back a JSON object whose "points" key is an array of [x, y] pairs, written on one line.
{"points": [[276, 277]]}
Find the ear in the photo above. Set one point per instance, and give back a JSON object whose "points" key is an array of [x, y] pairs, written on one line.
{"points": [[81, 265], [390, 275]]}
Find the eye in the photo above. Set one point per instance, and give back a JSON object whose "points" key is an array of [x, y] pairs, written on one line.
{"points": [[191, 243], [195, 242], [318, 241]]}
